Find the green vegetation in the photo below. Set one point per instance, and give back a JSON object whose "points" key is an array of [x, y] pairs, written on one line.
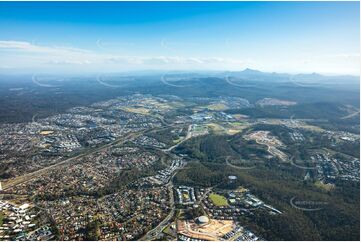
{"points": [[316, 110], [200, 128], [204, 175], [276, 184], [271, 181], [1, 218], [326, 187], [335, 222], [167, 230], [169, 135], [215, 148], [92, 230], [218, 200], [209, 148]]}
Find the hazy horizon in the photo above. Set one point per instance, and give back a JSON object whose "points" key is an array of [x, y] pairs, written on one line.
{"points": [[109, 37], [141, 72]]}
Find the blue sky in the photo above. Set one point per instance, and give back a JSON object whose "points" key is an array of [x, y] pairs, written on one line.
{"points": [[290, 37]]}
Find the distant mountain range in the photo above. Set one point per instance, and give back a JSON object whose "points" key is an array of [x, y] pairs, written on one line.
{"points": [[255, 75]]}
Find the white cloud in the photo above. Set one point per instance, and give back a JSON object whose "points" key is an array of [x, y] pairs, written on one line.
{"points": [[69, 62], [66, 55], [171, 60], [26, 46], [25, 55], [111, 45], [15, 45]]}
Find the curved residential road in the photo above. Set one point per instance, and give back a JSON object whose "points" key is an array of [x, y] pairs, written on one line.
{"points": [[238, 167], [154, 233], [188, 136]]}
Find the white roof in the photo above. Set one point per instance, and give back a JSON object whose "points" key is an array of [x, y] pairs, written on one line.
{"points": [[203, 219], [24, 206]]}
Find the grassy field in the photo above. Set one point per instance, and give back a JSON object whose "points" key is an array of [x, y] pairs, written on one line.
{"points": [[217, 107], [200, 128], [327, 187], [167, 230], [137, 110], [1, 218], [215, 127], [218, 200], [176, 141], [233, 131], [240, 116], [236, 127]]}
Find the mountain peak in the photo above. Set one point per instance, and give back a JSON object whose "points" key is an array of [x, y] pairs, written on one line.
{"points": [[250, 71]]}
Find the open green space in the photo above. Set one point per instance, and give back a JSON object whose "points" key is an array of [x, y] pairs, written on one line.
{"points": [[218, 200], [1, 218]]}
